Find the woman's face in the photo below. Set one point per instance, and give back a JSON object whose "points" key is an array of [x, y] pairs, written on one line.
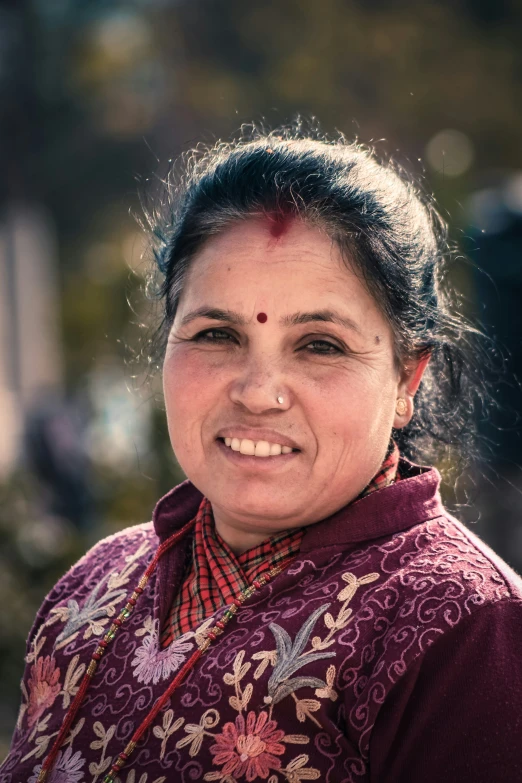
{"points": [[325, 348]]}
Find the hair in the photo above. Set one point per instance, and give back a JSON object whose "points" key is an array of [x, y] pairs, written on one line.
{"points": [[387, 230]]}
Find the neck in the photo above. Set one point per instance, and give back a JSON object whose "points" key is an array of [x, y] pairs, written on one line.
{"points": [[240, 541]]}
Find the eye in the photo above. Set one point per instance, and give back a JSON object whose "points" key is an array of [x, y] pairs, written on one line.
{"points": [[213, 336], [324, 348]]}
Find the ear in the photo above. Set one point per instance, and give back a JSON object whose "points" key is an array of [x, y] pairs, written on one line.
{"points": [[409, 383]]}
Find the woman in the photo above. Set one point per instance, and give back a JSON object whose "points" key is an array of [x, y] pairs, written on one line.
{"points": [[303, 607]]}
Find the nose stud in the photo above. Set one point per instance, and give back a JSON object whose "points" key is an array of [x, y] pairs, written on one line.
{"points": [[280, 400]]}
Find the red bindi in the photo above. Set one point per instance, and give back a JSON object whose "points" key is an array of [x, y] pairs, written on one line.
{"points": [[262, 318]]}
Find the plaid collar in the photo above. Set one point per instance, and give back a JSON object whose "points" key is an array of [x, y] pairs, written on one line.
{"points": [[215, 574], [388, 473]]}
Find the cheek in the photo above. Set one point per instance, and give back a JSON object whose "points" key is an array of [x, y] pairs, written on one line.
{"points": [[189, 389], [186, 372], [352, 406]]}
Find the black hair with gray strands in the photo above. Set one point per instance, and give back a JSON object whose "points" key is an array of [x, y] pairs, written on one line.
{"points": [[387, 230]]}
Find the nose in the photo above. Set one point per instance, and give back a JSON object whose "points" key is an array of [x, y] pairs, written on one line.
{"points": [[258, 387]]}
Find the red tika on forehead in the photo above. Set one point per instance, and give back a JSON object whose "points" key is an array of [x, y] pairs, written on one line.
{"points": [[279, 223]]}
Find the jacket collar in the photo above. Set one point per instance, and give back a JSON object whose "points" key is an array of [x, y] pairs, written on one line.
{"points": [[413, 499]]}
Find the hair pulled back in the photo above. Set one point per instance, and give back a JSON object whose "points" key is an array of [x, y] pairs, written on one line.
{"points": [[387, 230]]}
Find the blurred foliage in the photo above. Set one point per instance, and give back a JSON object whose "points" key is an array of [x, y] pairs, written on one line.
{"points": [[97, 96]]}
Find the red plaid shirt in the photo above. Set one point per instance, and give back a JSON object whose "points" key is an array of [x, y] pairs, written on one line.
{"points": [[215, 575]]}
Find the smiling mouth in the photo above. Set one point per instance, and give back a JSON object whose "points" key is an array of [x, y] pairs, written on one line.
{"points": [[259, 448]]}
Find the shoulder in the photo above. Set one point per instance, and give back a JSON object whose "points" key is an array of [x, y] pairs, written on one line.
{"points": [[462, 590], [461, 700], [434, 580], [110, 564], [109, 554], [448, 662], [109, 551], [450, 553], [437, 574]]}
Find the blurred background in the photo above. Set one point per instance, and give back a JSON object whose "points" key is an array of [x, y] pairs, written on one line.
{"points": [[96, 98]]}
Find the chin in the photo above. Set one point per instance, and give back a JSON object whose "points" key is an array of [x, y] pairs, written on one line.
{"points": [[273, 512]]}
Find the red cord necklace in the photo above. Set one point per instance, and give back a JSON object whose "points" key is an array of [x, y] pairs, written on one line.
{"points": [[123, 616]]}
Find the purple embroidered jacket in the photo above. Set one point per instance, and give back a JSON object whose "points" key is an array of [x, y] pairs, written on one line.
{"points": [[390, 650]]}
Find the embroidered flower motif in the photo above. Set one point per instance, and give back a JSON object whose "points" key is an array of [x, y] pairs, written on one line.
{"points": [[297, 770], [291, 657], [152, 664], [43, 688], [328, 692], [95, 613], [68, 768], [249, 748]]}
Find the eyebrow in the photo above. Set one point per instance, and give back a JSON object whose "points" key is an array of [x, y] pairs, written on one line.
{"points": [[325, 316]]}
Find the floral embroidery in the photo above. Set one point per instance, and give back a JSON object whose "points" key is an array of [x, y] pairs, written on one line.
{"points": [[97, 768], [249, 748], [242, 697], [168, 728], [95, 614], [131, 778], [23, 706], [68, 769], [71, 683], [266, 657], [42, 742], [345, 614], [328, 692], [252, 746], [36, 646], [44, 687], [291, 657], [296, 771], [151, 663], [96, 611], [304, 709], [120, 579], [197, 731]]}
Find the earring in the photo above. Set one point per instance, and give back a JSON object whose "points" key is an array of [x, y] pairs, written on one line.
{"points": [[280, 400], [401, 407]]}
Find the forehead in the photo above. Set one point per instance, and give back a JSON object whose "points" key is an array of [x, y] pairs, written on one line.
{"points": [[248, 267], [264, 245]]}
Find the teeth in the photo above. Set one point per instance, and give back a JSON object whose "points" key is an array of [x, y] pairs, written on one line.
{"points": [[260, 448], [247, 447]]}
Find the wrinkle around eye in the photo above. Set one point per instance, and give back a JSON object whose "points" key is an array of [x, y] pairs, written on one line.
{"points": [[204, 336], [337, 350]]}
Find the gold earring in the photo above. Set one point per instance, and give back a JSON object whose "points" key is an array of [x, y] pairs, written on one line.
{"points": [[401, 407]]}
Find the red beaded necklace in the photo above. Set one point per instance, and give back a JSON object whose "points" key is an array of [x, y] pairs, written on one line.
{"points": [[123, 616]]}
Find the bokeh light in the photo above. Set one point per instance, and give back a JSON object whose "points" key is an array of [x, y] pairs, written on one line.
{"points": [[450, 152]]}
